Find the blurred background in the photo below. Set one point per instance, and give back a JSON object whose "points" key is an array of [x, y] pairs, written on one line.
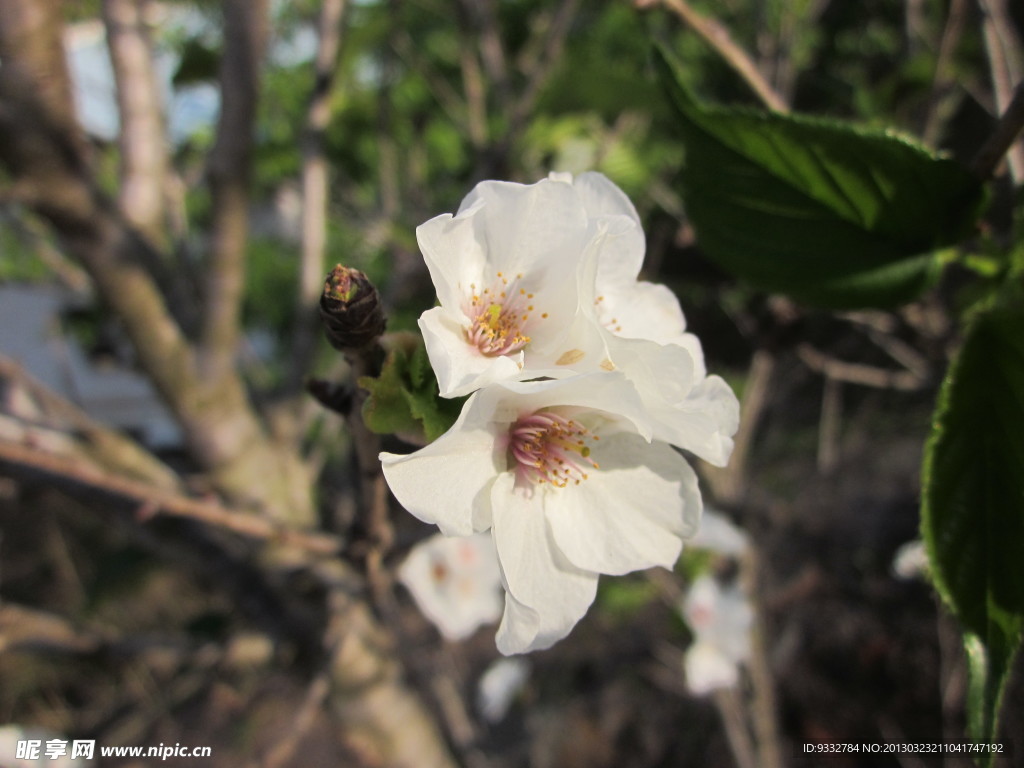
{"points": [[186, 551]]}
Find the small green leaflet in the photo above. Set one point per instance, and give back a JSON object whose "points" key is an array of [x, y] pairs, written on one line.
{"points": [[829, 213], [404, 397]]}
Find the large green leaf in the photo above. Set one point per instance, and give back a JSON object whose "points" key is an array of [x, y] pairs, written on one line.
{"points": [[832, 214], [972, 515]]}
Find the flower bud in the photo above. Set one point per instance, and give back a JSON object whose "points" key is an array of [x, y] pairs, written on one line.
{"points": [[351, 310]]}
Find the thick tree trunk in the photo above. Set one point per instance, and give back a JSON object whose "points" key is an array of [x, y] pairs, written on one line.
{"points": [[39, 144]]}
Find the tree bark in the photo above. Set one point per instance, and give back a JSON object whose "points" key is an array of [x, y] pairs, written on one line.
{"points": [[39, 144], [315, 194], [245, 23], [142, 140]]}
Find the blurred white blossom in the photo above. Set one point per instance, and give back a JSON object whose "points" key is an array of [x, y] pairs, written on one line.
{"points": [[718, 534], [499, 685], [455, 582], [911, 560], [721, 619]]}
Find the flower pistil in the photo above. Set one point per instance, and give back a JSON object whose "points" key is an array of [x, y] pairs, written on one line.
{"points": [[500, 316], [550, 448]]}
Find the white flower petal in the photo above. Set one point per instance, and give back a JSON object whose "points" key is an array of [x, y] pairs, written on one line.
{"points": [[718, 534], [601, 197], [641, 311], [532, 248], [459, 367], [519, 631], [631, 513], [455, 582], [698, 415], [499, 685], [622, 255], [703, 422], [910, 560], [454, 257], [447, 482], [535, 228], [707, 669], [720, 616], [609, 393], [691, 344], [536, 573]]}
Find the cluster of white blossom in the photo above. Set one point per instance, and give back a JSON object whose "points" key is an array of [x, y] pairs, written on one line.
{"points": [[721, 619], [720, 615], [582, 380]]}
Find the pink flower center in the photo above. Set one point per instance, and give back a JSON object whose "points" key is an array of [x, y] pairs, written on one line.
{"points": [[499, 317], [550, 448]]}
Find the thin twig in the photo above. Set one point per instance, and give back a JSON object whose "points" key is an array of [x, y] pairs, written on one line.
{"points": [[829, 426], [373, 491], [444, 94], [304, 720], [763, 708], [944, 75], [879, 327], [1007, 130], [23, 461], [542, 66], [729, 484], [858, 373], [714, 33], [733, 720]]}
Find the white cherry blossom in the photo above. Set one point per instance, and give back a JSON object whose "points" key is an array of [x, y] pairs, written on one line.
{"points": [[721, 619], [563, 474], [455, 583], [540, 281], [694, 411], [507, 268]]}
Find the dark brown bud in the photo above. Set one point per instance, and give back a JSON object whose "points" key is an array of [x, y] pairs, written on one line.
{"points": [[351, 310]]}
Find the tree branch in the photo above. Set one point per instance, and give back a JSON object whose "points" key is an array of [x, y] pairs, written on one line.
{"points": [[103, 445], [142, 140], [1006, 67], [944, 76], [858, 373], [31, 46], [22, 462], [1002, 141], [541, 66], [712, 32], [228, 172], [315, 194]]}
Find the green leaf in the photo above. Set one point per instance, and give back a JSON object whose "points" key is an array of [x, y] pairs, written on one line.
{"points": [[404, 398], [832, 214], [972, 516]]}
